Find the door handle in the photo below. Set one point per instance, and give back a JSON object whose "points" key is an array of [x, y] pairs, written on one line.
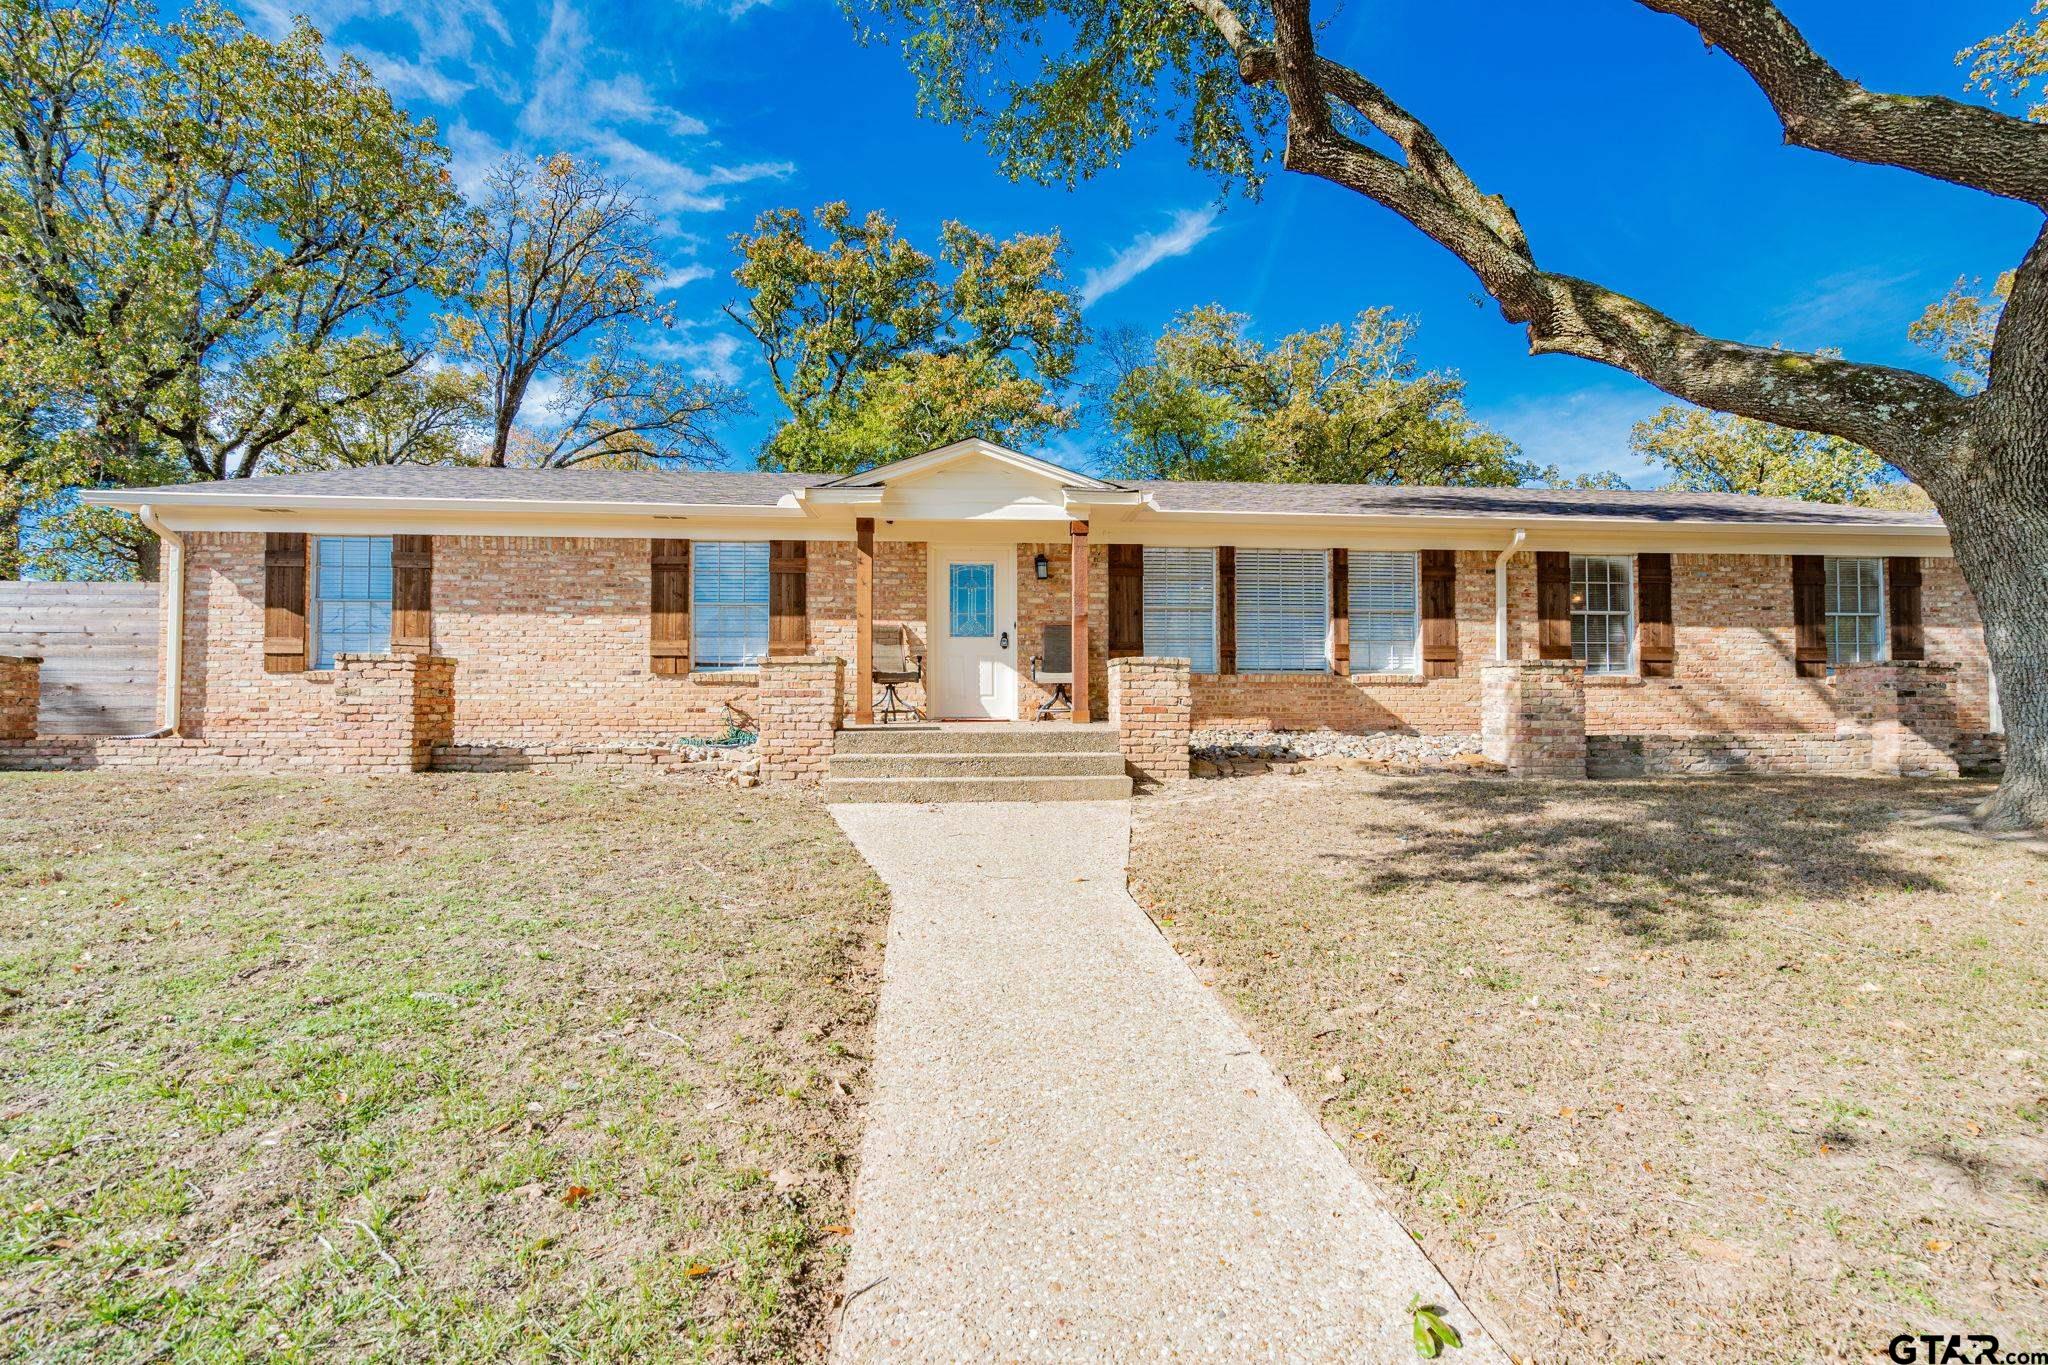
{"points": [[1004, 643]]}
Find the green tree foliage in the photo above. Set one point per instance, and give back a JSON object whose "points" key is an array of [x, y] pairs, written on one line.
{"points": [[433, 414], [1063, 89], [565, 275], [217, 237], [1333, 405], [879, 350], [1600, 480], [1960, 326], [2013, 62], [1715, 452]]}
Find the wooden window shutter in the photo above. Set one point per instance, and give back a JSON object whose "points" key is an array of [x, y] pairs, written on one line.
{"points": [[668, 612], [1340, 612], [1439, 611], [284, 602], [1126, 600], [1810, 615], [1656, 638], [1902, 582], [1226, 609], [789, 626], [1553, 604], [412, 592]]}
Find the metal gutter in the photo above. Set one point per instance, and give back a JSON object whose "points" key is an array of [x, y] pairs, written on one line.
{"points": [[173, 573]]}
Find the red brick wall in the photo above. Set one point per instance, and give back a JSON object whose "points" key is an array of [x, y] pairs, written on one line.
{"points": [[549, 637], [901, 599], [1052, 602], [1734, 672], [1955, 635]]}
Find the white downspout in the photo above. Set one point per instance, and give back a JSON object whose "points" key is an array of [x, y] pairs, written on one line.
{"points": [[173, 574], [1500, 595]]}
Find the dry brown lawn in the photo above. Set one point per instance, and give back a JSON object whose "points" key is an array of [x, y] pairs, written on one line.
{"points": [[437, 1069], [1655, 1070]]}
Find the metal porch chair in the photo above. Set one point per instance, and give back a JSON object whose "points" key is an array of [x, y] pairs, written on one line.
{"points": [[895, 664], [1053, 667]]}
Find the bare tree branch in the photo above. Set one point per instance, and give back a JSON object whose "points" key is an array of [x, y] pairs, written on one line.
{"points": [[1825, 111], [1895, 411]]}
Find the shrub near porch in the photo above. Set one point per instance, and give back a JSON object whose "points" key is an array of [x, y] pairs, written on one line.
{"points": [[1673, 1069], [448, 1067]]}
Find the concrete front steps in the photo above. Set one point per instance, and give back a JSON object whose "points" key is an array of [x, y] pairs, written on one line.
{"points": [[976, 762]]}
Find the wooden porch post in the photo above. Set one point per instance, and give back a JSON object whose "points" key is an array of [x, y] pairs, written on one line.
{"points": [[864, 621], [1077, 536]]}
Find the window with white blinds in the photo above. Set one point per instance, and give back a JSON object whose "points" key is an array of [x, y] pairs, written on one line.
{"points": [[1283, 611], [1603, 612], [1385, 629], [351, 596], [1180, 605], [729, 603], [1855, 597]]}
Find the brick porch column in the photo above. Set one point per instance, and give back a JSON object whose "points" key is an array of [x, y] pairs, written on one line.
{"points": [[1908, 710], [800, 709], [1152, 708], [390, 710], [1533, 716], [21, 695]]}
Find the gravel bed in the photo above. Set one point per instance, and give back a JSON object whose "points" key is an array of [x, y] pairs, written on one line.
{"points": [[1221, 746]]}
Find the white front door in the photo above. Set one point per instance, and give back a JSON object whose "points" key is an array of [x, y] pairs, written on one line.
{"points": [[974, 632]]}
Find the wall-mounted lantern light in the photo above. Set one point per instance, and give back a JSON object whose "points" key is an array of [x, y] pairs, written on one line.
{"points": [[1043, 569]]}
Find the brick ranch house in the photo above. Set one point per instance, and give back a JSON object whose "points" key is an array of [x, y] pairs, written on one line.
{"points": [[393, 619]]}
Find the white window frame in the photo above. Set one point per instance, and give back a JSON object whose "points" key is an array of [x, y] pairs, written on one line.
{"points": [[318, 657], [1155, 612], [1321, 582], [1579, 611], [701, 660], [1879, 616], [1353, 614]]}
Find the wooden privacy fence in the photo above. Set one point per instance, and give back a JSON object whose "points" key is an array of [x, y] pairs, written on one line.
{"points": [[98, 643]]}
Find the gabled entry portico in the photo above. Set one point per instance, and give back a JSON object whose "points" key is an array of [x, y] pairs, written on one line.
{"points": [[985, 516]]}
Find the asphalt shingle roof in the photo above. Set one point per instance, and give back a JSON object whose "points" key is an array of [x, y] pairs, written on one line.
{"points": [[728, 489], [520, 485], [1346, 499]]}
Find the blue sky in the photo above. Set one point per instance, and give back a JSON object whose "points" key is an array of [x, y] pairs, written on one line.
{"points": [[1633, 155]]}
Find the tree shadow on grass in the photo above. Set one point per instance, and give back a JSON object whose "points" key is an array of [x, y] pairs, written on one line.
{"points": [[1659, 859]]}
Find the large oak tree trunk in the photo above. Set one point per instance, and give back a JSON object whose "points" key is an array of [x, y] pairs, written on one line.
{"points": [[1995, 501]]}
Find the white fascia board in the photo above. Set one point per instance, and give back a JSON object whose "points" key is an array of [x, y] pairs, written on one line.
{"points": [[841, 497]]}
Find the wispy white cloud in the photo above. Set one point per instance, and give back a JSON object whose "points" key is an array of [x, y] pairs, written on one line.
{"points": [[402, 77], [671, 186], [626, 97], [557, 73], [1581, 433], [568, 109], [681, 276], [472, 154], [714, 357], [445, 31], [1854, 305], [1190, 227]]}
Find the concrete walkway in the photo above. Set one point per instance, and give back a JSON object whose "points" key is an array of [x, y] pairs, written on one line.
{"points": [[1073, 1152]]}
